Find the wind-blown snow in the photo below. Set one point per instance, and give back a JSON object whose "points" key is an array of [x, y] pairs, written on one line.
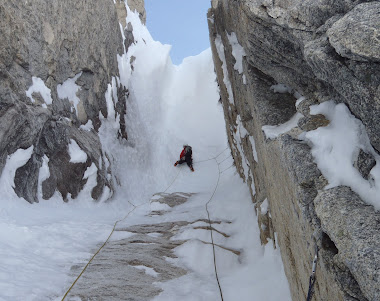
{"points": [[39, 86], [335, 148], [77, 155], [168, 106]]}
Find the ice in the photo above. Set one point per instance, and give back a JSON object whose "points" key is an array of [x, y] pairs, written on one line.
{"points": [[69, 89], [77, 155], [39, 86]]}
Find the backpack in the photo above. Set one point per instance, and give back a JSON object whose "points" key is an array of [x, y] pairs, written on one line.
{"points": [[188, 150]]}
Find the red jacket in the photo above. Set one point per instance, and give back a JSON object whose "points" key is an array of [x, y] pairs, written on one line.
{"points": [[182, 153]]}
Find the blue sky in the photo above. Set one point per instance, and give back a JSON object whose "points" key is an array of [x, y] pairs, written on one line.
{"points": [[180, 23]]}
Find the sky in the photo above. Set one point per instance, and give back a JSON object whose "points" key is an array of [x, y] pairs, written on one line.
{"points": [[180, 23]]}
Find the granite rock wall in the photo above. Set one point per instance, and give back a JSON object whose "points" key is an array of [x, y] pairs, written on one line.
{"points": [[57, 61], [322, 50]]}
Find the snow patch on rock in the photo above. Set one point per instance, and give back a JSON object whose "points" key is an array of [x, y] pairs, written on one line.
{"points": [[222, 57], [273, 131], [39, 86], [237, 51], [68, 89], [77, 155], [336, 147]]}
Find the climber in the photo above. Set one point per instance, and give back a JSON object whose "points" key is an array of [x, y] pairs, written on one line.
{"points": [[186, 156]]}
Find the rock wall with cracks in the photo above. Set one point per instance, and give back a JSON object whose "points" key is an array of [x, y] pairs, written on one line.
{"points": [[321, 50], [58, 61]]}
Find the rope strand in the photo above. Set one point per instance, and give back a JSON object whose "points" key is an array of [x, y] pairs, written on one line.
{"points": [[211, 232], [134, 207], [113, 230]]}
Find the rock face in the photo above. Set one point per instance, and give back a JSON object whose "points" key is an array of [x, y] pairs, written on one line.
{"points": [[57, 61], [122, 262], [325, 50]]}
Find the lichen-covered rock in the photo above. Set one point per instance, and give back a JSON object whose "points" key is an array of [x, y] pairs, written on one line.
{"points": [[312, 122], [302, 45], [356, 36], [354, 227]]}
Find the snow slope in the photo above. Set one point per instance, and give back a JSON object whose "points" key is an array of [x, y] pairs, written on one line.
{"points": [[168, 106]]}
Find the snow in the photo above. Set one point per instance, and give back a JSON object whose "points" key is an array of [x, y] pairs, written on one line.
{"points": [[88, 126], [239, 134], [273, 131], [299, 100], [168, 106], [14, 161], [335, 149], [281, 88], [244, 79], [237, 51], [44, 174], [252, 273], [68, 89], [147, 270], [253, 144], [220, 49], [264, 206], [39, 86], [77, 155], [111, 98]]}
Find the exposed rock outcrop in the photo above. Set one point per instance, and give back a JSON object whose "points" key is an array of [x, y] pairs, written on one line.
{"points": [[324, 50], [58, 59]]}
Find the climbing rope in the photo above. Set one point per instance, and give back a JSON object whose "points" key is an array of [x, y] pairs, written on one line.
{"points": [[134, 207], [109, 236], [227, 168], [179, 170], [312, 276], [97, 252], [213, 157], [211, 232]]}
